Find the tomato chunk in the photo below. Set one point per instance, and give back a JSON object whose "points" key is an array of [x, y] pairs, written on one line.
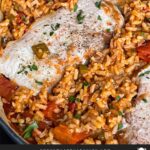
{"points": [[72, 107], [144, 52], [7, 87], [49, 112], [64, 136]]}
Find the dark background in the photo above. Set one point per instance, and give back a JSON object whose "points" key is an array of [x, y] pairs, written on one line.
{"points": [[4, 139]]}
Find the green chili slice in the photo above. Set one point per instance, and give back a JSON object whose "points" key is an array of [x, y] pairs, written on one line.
{"points": [[40, 49]]}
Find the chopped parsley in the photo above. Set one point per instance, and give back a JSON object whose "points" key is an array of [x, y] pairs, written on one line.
{"points": [[29, 129], [78, 100], [22, 70], [108, 30], [98, 4], [46, 25], [72, 99], [118, 98], [54, 28], [144, 73], [77, 116], [145, 100], [80, 17], [38, 82], [120, 113], [33, 67], [99, 17], [86, 83], [142, 33], [120, 126], [44, 33], [23, 18], [30, 67], [75, 8], [51, 33]]}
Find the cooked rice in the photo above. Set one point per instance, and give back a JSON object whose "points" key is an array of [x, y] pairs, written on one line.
{"points": [[104, 89]]}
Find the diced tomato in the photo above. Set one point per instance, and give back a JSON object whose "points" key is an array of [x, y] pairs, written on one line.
{"points": [[64, 136], [144, 52], [8, 108], [72, 107], [42, 125], [20, 18], [7, 87], [49, 112]]}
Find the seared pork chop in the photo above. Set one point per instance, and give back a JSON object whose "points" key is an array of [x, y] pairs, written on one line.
{"points": [[59, 39], [139, 119]]}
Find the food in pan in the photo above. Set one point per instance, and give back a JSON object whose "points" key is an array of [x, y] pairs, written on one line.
{"points": [[76, 72], [140, 117], [57, 40]]}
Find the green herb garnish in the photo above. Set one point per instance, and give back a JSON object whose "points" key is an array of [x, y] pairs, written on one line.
{"points": [[75, 8], [99, 17], [78, 100], [142, 33], [86, 83], [33, 67], [144, 73], [80, 17], [108, 30], [118, 98], [145, 100], [22, 70], [38, 82], [29, 129], [120, 126], [77, 116], [98, 4], [46, 25], [55, 27], [72, 99], [51, 33], [23, 18], [120, 113]]}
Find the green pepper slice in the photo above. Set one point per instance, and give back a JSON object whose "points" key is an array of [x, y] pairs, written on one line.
{"points": [[40, 49]]}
